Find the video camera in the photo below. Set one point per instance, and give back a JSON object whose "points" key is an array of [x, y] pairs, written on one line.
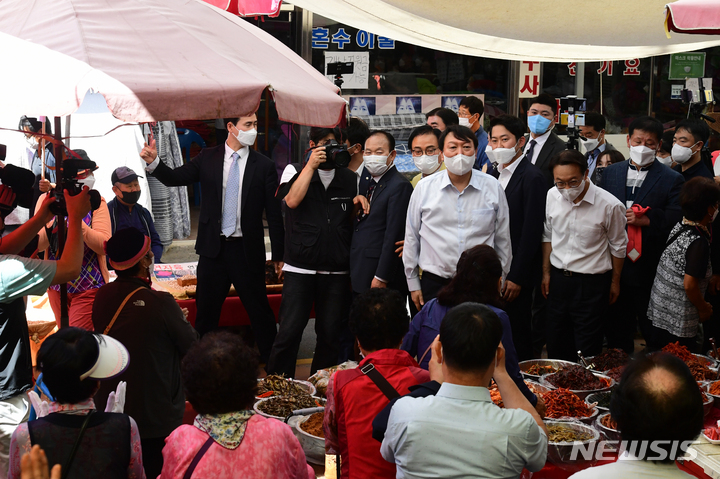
{"points": [[337, 156], [698, 95], [70, 182], [19, 180], [339, 69], [572, 114]]}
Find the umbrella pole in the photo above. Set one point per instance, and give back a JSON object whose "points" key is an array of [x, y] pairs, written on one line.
{"points": [[61, 222]]}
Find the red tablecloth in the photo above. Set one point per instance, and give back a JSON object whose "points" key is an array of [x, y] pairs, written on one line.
{"points": [[233, 313]]}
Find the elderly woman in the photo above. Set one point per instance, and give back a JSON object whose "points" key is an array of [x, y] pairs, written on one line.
{"points": [[478, 280], [677, 300], [227, 439], [87, 443]]}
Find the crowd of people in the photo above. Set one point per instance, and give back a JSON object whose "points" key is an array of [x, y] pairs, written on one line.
{"points": [[506, 243]]}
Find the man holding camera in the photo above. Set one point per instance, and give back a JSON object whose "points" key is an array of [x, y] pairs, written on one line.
{"points": [[20, 277], [321, 202], [238, 184]]}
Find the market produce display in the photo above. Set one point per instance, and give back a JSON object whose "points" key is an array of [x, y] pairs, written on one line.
{"points": [[539, 370], [279, 385], [699, 370], [612, 358], [561, 433], [576, 378], [608, 421], [715, 388], [284, 406], [563, 403], [314, 425], [615, 373]]}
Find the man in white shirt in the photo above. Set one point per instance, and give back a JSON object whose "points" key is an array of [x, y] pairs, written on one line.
{"points": [[525, 190], [543, 144], [460, 432], [584, 246], [659, 413], [450, 212]]}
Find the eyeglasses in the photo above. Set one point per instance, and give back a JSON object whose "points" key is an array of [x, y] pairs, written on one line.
{"points": [[430, 150], [561, 185]]}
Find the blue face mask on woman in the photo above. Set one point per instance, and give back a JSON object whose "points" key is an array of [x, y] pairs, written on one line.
{"points": [[538, 124]]}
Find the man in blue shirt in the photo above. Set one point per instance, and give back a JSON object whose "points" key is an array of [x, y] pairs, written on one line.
{"points": [[470, 111], [126, 213]]}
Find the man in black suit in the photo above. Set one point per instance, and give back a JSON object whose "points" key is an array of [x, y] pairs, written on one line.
{"points": [[543, 143], [238, 184], [525, 189], [594, 141], [650, 192], [373, 261]]}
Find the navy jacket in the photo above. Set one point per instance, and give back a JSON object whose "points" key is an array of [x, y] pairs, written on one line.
{"points": [[372, 252], [660, 191], [526, 193], [122, 217], [257, 196], [552, 147]]}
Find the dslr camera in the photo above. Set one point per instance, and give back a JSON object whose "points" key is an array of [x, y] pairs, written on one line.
{"points": [[19, 180], [337, 156], [573, 115], [70, 182]]}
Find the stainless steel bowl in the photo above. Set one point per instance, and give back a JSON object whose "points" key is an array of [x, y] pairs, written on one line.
{"points": [[306, 386], [594, 397], [586, 420], [561, 453], [313, 446], [556, 363], [264, 414], [712, 399], [610, 433], [707, 360], [582, 394]]}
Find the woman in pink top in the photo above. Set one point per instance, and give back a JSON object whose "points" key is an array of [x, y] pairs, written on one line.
{"points": [[219, 374]]}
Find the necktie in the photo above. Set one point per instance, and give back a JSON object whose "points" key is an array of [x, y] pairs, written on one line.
{"points": [[371, 188], [232, 192], [530, 150]]}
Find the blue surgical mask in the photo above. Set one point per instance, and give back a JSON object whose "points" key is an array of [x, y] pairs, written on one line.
{"points": [[538, 124]]}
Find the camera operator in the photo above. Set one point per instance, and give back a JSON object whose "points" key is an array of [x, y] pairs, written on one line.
{"points": [[21, 277], [321, 201]]}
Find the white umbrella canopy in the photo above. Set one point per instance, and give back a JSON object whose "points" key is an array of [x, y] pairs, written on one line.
{"points": [[557, 31], [182, 59], [38, 81]]}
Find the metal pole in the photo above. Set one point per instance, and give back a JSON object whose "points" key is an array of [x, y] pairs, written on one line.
{"points": [[580, 79], [304, 26], [62, 226], [651, 90], [513, 97]]}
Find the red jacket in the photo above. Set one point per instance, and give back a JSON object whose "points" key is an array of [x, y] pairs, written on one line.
{"points": [[355, 402]]}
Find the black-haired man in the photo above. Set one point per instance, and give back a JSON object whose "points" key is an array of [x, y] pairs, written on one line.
{"points": [[460, 427], [525, 189], [470, 111], [650, 193], [238, 186], [690, 138], [354, 136], [441, 118], [659, 413], [543, 144], [424, 144], [594, 141], [373, 261], [450, 212], [583, 251]]}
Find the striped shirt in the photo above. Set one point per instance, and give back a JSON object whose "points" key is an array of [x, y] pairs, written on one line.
{"points": [[634, 182]]}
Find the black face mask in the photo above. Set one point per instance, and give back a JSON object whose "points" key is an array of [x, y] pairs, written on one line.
{"points": [[130, 197]]}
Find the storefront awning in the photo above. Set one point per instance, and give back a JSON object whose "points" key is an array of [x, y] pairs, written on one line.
{"points": [[694, 17], [558, 31]]}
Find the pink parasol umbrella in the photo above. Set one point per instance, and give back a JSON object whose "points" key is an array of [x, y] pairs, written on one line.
{"points": [[249, 8], [180, 59], [699, 17]]}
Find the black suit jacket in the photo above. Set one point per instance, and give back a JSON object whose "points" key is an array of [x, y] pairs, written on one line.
{"points": [[526, 193], [608, 147], [552, 147], [372, 252], [257, 195]]}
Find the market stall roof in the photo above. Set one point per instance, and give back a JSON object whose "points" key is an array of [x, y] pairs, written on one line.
{"points": [[695, 17], [181, 59], [559, 31]]}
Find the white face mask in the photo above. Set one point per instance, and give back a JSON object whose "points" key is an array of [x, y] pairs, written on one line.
{"points": [[376, 164], [459, 164], [246, 138], [682, 154], [642, 155], [464, 121], [427, 164], [571, 194], [89, 181], [590, 144], [503, 156], [32, 141], [667, 161]]}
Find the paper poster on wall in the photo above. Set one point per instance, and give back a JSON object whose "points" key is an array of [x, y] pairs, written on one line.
{"points": [[362, 105], [359, 78], [452, 102], [408, 104]]}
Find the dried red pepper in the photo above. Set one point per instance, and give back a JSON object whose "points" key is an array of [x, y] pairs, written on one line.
{"points": [[563, 403], [612, 358]]}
